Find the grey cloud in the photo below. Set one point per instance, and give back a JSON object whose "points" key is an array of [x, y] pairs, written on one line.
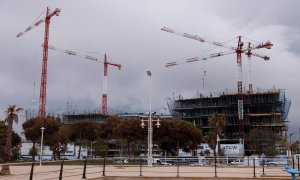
{"points": [[129, 32]]}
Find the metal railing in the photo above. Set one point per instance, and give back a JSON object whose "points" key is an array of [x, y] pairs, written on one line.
{"points": [[162, 167]]}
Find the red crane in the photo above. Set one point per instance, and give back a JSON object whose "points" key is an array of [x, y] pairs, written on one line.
{"points": [[42, 106], [104, 95], [105, 62], [239, 50]]}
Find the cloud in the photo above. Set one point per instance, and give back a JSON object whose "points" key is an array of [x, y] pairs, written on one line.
{"points": [[129, 32]]}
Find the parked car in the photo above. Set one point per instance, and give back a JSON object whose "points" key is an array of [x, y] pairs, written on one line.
{"points": [[237, 162], [121, 161], [272, 163], [160, 162]]}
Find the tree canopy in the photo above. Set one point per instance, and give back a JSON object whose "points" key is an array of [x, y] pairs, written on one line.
{"points": [[262, 141], [32, 129], [15, 143], [177, 133]]}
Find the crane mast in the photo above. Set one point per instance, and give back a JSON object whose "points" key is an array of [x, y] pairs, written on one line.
{"points": [[43, 87], [239, 50], [104, 92], [105, 63], [240, 84], [249, 69]]}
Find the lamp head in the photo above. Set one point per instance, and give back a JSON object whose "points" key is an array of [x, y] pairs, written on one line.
{"points": [[158, 124], [142, 124], [149, 73]]}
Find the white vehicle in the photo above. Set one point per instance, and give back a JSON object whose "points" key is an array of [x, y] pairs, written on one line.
{"points": [[237, 162], [160, 162], [272, 163]]}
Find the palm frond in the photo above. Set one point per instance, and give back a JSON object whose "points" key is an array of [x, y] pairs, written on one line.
{"points": [[19, 109]]}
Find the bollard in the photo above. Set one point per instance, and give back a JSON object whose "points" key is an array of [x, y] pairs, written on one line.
{"points": [[61, 170], [177, 166], [216, 166], [141, 166], [84, 170], [104, 162], [254, 167], [31, 172]]}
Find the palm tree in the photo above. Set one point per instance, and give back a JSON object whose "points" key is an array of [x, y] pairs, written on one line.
{"points": [[11, 116]]}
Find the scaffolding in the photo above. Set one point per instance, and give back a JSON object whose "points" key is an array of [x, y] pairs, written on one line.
{"points": [[70, 115], [263, 109]]}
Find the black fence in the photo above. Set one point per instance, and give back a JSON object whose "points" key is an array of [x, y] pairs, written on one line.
{"points": [[160, 167]]}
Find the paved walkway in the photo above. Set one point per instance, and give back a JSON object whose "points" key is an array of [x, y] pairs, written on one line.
{"points": [[95, 172]]}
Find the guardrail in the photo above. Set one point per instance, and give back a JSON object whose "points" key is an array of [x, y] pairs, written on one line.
{"points": [[162, 167]]}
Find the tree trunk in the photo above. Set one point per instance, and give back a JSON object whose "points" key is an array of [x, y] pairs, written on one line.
{"points": [[106, 148], [215, 153], [107, 144], [58, 155], [177, 148], [5, 169], [33, 149], [53, 154], [128, 147], [79, 151], [8, 142]]}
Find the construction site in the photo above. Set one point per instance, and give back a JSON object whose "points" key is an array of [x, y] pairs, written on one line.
{"points": [[244, 110], [264, 109]]}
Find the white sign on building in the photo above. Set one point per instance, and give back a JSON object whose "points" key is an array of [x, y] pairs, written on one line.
{"points": [[233, 149]]}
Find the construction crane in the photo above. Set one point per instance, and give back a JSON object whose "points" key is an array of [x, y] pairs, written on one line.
{"points": [[105, 62], [49, 15], [239, 50], [104, 95]]}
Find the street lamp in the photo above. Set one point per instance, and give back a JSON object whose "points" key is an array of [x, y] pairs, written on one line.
{"points": [[41, 153], [150, 135], [150, 130]]}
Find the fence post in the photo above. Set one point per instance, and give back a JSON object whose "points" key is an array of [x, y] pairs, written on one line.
{"points": [[216, 166], [177, 166], [248, 161], [254, 167], [141, 166], [263, 161], [84, 170], [61, 170], [104, 162], [31, 172]]}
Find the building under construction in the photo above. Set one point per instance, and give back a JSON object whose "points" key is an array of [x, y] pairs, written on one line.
{"points": [[261, 109]]}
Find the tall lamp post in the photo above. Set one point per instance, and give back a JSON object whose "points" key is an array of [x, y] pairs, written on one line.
{"points": [[150, 133], [42, 138], [150, 129]]}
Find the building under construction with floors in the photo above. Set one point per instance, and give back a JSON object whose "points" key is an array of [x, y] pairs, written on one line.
{"points": [[262, 109]]}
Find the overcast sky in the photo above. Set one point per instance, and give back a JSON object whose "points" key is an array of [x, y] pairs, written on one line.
{"points": [[129, 32]]}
